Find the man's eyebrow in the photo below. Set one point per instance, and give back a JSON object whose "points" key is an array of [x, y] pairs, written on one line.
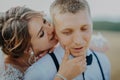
{"points": [[39, 31]]}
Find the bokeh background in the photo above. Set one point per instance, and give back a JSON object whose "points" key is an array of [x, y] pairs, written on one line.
{"points": [[106, 19]]}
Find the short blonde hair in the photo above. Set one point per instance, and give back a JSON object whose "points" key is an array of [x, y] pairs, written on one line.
{"points": [[70, 6]]}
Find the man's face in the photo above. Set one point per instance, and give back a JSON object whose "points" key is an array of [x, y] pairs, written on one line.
{"points": [[42, 35], [74, 31]]}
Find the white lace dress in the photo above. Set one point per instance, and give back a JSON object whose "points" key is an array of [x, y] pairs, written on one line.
{"points": [[10, 73]]}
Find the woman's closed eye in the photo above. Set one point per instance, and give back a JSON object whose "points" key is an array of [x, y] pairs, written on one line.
{"points": [[44, 21], [41, 34]]}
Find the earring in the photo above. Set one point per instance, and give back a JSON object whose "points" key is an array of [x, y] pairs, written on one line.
{"points": [[32, 58]]}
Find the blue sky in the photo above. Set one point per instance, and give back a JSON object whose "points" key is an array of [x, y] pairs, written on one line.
{"points": [[105, 9]]}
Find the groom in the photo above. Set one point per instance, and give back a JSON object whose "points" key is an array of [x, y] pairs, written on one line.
{"points": [[73, 26]]}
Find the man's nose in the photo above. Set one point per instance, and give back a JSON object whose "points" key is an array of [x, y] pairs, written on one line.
{"points": [[78, 39]]}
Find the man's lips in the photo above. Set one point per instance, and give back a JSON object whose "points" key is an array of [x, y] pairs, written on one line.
{"points": [[78, 49]]}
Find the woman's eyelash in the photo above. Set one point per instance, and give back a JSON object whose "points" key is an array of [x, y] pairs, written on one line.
{"points": [[42, 34], [44, 21]]}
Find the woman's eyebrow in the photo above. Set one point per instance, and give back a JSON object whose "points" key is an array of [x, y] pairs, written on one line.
{"points": [[39, 31]]}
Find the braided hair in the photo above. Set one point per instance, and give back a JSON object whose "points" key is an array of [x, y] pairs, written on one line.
{"points": [[14, 34]]}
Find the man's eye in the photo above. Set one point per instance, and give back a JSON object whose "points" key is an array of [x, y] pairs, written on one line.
{"points": [[67, 33], [84, 28], [42, 34]]}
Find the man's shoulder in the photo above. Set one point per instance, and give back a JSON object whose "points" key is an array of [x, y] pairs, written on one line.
{"points": [[103, 59], [47, 60], [40, 69], [101, 56], [43, 62]]}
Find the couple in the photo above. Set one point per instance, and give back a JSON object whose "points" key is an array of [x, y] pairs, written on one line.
{"points": [[26, 36]]}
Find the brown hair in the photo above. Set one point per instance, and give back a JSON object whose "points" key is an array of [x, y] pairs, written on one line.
{"points": [[14, 34]]}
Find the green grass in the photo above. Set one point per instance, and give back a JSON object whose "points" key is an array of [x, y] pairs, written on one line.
{"points": [[105, 25]]}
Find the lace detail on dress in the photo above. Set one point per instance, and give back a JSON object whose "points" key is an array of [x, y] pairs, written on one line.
{"points": [[2, 68], [11, 73]]}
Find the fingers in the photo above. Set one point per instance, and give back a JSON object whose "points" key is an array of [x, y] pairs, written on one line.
{"points": [[66, 55], [78, 59], [82, 65], [79, 62]]}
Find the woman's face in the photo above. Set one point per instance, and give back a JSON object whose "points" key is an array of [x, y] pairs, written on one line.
{"points": [[42, 35]]}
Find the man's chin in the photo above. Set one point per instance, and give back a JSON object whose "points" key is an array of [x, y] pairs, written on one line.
{"points": [[77, 54]]}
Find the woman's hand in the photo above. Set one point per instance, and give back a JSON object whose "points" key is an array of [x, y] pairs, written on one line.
{"points": [[70, 68]]}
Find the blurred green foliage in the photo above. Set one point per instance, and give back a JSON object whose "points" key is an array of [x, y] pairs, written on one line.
{"points": [[106, 25]]}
